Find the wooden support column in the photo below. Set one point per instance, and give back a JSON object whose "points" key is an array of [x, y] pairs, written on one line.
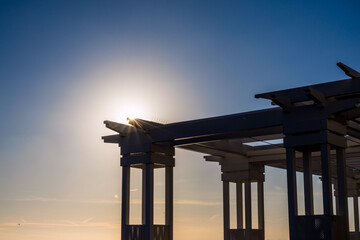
{"points": [[356, 217], [308, 184], [292, 191], [326, 179], [248, 219], [239, 206], [260, 195], [341, 183], [326, 188], [143, 217], [342, 200], [169, 197], [148, 200], [226, 209], [125, 203]]}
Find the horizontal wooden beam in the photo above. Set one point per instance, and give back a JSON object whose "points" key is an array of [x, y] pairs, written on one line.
{"points": [[348, 70], [112, 138], [122, 129], [147, 158], [251, 135], [263, 119], [347, 88]]}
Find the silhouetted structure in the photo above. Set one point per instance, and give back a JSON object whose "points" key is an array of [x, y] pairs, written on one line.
{"points": [[314, 130]]}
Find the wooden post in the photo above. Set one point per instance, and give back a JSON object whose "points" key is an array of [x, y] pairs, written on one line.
{"points": [[169, 186], [148, 200], [326, 188], [226, 210], [248, 219], [125, 203], [326, 179], [308, 184], [292, 191], [356, 217], [341, 182], [143, 206], [239, 206], [342, 203], [260, 195]]}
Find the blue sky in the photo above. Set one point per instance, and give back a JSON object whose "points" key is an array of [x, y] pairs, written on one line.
{"points": [[66, 66]]}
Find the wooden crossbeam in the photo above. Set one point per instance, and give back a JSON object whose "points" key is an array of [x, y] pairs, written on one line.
{"points": [[144, 125], [122, 129], [348, 70], [316, 95], [347, 88]]}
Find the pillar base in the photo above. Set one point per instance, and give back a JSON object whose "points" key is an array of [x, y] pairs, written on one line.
{"points": [[239, 234], [319, 227], [138, 232]]}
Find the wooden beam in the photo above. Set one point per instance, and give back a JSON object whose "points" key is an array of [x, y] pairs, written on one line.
{"points": [[347, 88], [112, 138], [348, 70], [283, 101], [316, 95], [122, 129], [262, 119]]}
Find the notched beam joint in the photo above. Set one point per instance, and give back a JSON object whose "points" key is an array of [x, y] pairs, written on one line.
{"points": [[317, 96], [282, 101]]}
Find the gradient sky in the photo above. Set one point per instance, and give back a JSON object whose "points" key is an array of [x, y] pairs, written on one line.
{"points": [[65, 66]]}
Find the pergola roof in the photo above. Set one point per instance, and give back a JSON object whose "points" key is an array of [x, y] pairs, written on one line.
{"points": [[257, 135]]}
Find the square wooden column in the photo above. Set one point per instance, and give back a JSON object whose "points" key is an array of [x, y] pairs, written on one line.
{"points": [[342, 188], [342, 203], [159, 156], [226, 210], [261, 215], [239, 206], [148, 201], [326, 188], [308, 183], [125, 203], [248, 213], [326, 180], [239, 170], [292, 191], [169, 199], [356, 217]]}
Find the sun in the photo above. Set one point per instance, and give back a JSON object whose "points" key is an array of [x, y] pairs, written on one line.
{"points": [[132, 110]]}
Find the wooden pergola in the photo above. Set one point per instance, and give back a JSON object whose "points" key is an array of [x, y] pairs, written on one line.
{"points": [[315, 130]]}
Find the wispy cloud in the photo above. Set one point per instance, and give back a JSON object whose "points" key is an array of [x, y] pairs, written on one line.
{"points": [[213, 217], [60, 223], [101, 201], [34, 199], [192, 202], [45, 199], [113, 201], [182, 181]]}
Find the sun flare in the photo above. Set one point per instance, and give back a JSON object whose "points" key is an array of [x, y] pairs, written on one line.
{"points": [[133, 110]]}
